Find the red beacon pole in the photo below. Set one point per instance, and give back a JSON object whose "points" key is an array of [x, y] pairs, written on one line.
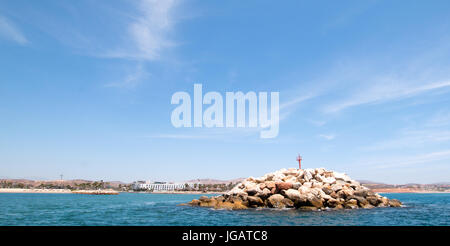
{"points": [[299, 159]]}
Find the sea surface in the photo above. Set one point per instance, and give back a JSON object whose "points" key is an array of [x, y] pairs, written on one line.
{"points": [[162, 209]]}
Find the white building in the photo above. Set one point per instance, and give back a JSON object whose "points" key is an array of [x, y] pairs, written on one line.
{"points": [[158, 186]]}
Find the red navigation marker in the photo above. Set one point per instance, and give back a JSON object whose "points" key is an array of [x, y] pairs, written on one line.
{"points": [[299, 159]]}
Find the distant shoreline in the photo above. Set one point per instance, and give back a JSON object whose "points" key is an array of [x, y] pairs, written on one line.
{"points": [[400, 190], [67, 191], [45, 191], [178, 192], [57, 191]]}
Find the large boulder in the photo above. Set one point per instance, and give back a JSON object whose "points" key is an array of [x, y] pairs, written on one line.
{"points": [[276, 201], [307, 176], [361, 192], [283, 186], [265, 193], [329, 180], [314, 201], [373, 200], [362, 202], [395, 203], [270, 185], [345, 192], [194, 202], [255, 201], [230, 205], [384, 202], [332, 203], [327, 190], [336, 187], [352, 203], [341, 176], [288, 203], [292, 194]]}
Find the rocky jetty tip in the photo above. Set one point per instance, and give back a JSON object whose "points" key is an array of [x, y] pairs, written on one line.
{"points": [[306, 189]]}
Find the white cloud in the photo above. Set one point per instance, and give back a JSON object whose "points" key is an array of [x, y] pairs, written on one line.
{"points": [[296, 101], [388, 89], [327, 136], [441, 118], [318, 123], [131, 80], [413, 160], [9, 31], [178, 136], [412, 138], [289, 107], [148, 34]]}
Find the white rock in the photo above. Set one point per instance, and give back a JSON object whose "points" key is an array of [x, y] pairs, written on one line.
{"points": [[300, 174], [260, 180], [307, 176], [342, 176], [278, 177], [269, 176], [292, 194], [250, 179], [304, 190], [291, 171], [330, 180], [296, 185], [248, 184], [318, 177], [336, 187], [316, 184], [324, 195], [315, 191], [236, 191], [320, 170], [291, 179]]}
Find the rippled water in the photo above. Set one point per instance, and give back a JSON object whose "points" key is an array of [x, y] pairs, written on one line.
{"points": [[162, 209]]}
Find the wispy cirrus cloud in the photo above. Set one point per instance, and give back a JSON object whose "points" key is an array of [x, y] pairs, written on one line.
{"points": [[441, 118], [317, 123], [132, 79], [388, 89], [147, 35], [178, 136], [403, 161], [10, 31], [327, 136], [411, 139]]}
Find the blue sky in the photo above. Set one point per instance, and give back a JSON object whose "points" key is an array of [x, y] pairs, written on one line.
{"points": [[85, 87]]}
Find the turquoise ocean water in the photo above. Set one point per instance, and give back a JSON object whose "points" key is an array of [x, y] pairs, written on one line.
{"points": [[162, 209]]}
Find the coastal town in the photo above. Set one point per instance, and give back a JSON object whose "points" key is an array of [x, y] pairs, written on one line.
{"points": [[190, 186], [85, 186]]}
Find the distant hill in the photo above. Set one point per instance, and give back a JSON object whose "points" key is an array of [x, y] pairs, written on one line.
{"points": [[368, 182], [82, 183], [73, 183]]}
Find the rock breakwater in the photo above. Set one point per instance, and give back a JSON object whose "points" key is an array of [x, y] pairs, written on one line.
{"points": [[306, 189]]}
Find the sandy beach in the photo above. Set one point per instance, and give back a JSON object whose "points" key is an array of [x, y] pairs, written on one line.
{"points": [[58, 191], [67, 191], [18, 190], [405, 190]]}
